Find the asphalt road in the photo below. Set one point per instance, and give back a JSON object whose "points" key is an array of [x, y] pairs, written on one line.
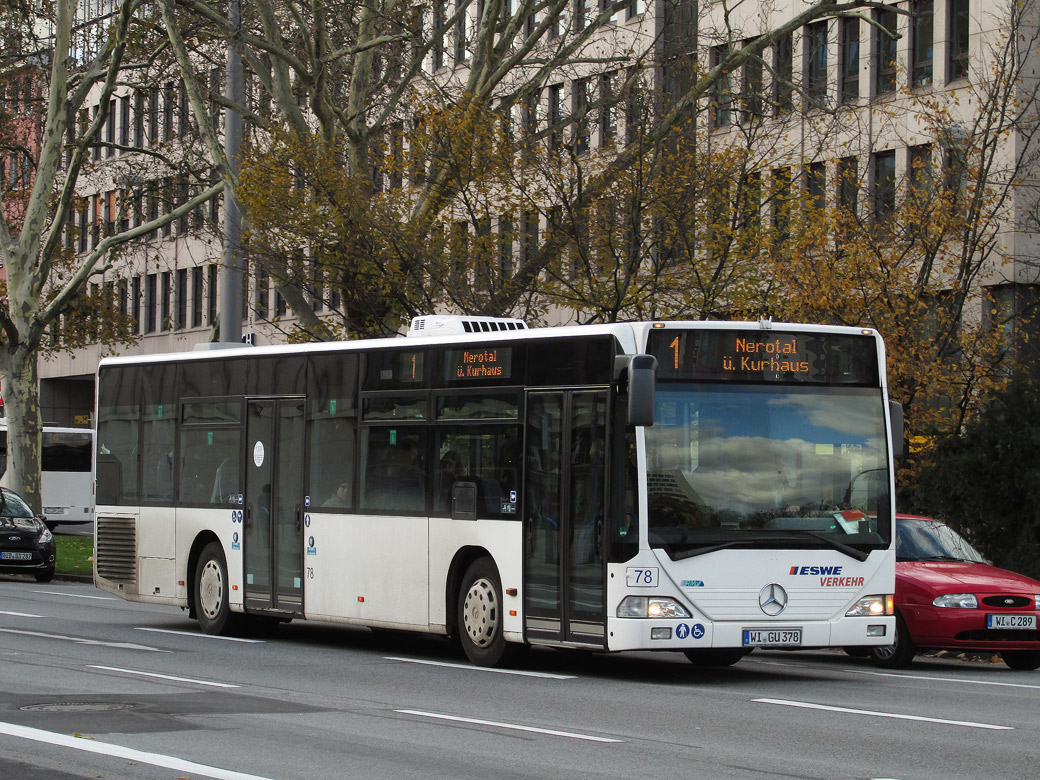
{"points": [[95, 687]]}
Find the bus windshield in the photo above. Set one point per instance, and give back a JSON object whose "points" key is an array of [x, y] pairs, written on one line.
{"points": [[740, 465]]}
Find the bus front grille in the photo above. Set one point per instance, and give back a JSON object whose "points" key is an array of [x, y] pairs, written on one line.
{"points": [[117, 549]]}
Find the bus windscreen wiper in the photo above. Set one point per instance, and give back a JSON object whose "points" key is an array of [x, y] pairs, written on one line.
{"points": [[841, 547], [852, 552]]}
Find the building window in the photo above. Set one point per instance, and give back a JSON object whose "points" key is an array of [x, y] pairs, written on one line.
{"points": [[848, 185], [886, 53], [530, 246], [124, 120], [262, 294], [751, 78], [150, 299], [884, 185], [196, 296], [555, 117], [781, 203], [181, 295], [957, 39], [723, 100], [135, 304], [165, 292], [211, 294], [921, 44], [168, 106], [750, 201], [849, 60], [607, 112], [582, 14], [461, 42], [505, 247], [783, 74], [816, 185], [580, 105], [439, 15], [816, 63], [921, 170]]}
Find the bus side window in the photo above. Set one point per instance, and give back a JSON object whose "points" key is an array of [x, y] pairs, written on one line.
{"points": [[109, 478]]}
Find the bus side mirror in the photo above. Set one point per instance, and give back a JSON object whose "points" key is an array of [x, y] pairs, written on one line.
{"points": [[641, 373], [895, 411]]}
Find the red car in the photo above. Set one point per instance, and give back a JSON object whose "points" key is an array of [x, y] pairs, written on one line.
{"points": [[949, 598]]}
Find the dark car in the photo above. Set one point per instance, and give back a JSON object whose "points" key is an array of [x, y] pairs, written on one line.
{"points": [[26, 543], [948, 597]]}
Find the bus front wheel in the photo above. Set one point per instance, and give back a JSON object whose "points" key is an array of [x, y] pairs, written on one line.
{"points": [[211, 591], [715, 656], [480, 614]]}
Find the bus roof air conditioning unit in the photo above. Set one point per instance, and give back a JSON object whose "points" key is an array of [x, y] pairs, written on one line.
{"points": [[453, 324]]}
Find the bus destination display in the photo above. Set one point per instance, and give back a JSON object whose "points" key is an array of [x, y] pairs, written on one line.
{"points": [[479, 363], [764, 356]]}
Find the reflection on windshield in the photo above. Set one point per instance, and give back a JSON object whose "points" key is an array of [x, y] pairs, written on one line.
{"points": [[930, 540], [761, 464]]}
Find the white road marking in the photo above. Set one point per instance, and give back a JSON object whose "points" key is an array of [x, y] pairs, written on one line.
{"points": [[164, 676], [73, 595], [512, 726], [20, 614], [849, 710], [901, 675], [129, 754], [949, 679], [467, 667], [84, 641], [198, 635]]}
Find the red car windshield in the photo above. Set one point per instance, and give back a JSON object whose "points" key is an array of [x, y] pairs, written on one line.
{"points": [[931, 540]]}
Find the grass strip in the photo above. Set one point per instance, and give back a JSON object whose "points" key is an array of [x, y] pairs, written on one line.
{"points": [[75, 555]]}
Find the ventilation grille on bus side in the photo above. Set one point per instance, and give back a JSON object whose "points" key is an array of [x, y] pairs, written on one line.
{"points": [[117, 549]]}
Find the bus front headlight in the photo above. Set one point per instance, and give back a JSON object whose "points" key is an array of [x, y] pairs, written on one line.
{"points": [[872, 606], [651, 607]]}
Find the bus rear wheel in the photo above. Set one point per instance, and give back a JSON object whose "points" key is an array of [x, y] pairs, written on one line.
{"points": [[480, 614], [211, 591]]}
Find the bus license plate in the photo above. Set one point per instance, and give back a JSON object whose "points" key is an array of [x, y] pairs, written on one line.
{"points": [[1026, 622], [54, 510], [16, 556], [772, 637]]}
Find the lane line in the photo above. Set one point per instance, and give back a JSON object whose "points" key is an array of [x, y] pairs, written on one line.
{"points": [[849, 710], [84, 641], [198, 635], [511, 726], [163, 676], [118, 751], [949, 679], [469, 668], [74, 595], [20, 614], [899, 675]]}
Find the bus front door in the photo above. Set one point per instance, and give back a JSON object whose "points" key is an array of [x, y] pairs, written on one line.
{"points": [[565, 496], [273, 543]]}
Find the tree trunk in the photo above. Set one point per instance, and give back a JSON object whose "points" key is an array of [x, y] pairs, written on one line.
{"points": [[19, 384]]}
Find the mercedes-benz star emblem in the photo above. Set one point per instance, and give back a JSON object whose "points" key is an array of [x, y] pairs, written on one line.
{"points": [[772, 599]]}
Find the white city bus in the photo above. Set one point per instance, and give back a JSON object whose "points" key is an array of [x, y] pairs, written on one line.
{"points": [[66, 481], [684, 486]]}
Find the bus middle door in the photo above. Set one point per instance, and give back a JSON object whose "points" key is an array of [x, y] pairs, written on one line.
{"points": [[273, 544], [565, 499]]}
